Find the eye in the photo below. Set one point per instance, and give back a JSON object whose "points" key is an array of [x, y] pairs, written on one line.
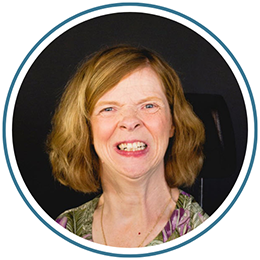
{"points": [[150, 107], [107, 109]]}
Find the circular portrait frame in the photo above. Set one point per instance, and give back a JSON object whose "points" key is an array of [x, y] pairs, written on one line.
{"points": [[110, 9]]}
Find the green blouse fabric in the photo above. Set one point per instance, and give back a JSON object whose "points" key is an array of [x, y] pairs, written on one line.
{"points": [[186, 216]]}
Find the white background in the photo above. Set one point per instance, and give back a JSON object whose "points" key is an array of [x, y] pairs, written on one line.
{"points": [[23, 23]]}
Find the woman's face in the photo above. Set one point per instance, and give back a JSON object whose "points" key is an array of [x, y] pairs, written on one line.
{"points": [[132, 125]]}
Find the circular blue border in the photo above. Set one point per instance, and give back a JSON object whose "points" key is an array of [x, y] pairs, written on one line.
{"points": [[138, 5]]}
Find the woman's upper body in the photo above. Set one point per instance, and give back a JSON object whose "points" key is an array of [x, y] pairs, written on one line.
{"points": [[186, 216], [123, 124]]}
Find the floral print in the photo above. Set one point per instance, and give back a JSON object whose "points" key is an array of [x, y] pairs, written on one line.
{"points": [[179, 220], [186, 216], [62, 221]]}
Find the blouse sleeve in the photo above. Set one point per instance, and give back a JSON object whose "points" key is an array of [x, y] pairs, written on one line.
{"points": [[79, 220], [66, 221], [198, 215]]}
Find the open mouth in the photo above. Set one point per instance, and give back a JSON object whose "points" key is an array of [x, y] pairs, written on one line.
{"points": [[132, 147]]}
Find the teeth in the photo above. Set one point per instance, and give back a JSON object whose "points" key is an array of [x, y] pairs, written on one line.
{"points": [[132, 147]]}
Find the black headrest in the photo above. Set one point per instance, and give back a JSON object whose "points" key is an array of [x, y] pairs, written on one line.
{"points": [[219, 148]]}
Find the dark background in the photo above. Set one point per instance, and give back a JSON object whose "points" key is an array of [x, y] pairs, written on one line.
{"points": [[202, 71]]}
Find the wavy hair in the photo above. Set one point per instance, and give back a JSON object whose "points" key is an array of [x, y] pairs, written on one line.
{"points": [[71, 151]]}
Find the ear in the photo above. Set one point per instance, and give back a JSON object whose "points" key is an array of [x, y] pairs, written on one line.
{"points": [[171, 132]]}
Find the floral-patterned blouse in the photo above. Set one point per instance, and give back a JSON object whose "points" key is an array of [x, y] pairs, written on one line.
{"points": [[186, 216]]}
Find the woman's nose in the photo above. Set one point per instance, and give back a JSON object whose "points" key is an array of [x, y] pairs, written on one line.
{"points": [[130, 121]]}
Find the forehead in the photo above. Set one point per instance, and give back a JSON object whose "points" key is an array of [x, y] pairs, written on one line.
{"points": [[142, 82]]}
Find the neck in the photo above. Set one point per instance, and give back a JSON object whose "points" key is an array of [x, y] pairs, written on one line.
{"points": [[139, 196], [139, 208]]}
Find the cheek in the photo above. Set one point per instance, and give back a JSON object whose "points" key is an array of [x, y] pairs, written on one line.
{"points": [[102, 131], [160, 124]]}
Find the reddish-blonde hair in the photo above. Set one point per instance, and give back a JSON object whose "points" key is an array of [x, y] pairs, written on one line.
{"points": [[70, 147]]}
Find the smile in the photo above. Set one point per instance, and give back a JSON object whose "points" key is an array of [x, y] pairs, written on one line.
{"points": [[132, 147]]}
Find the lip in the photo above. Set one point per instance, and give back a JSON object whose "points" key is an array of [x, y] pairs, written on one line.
{"points": [[131, 153]]}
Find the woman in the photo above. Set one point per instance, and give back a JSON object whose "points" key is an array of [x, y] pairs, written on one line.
{"points": [[124, 126]]}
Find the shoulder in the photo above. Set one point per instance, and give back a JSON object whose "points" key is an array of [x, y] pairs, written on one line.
{"points": [[191, 208], [79, 220], [187, 216], [88, 206]]}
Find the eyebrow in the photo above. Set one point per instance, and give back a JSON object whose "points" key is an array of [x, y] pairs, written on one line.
{"points": [[152, 98], [105, 103]]}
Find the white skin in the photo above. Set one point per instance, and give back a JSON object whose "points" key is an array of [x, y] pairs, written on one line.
{"points": [[135, 192]]}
